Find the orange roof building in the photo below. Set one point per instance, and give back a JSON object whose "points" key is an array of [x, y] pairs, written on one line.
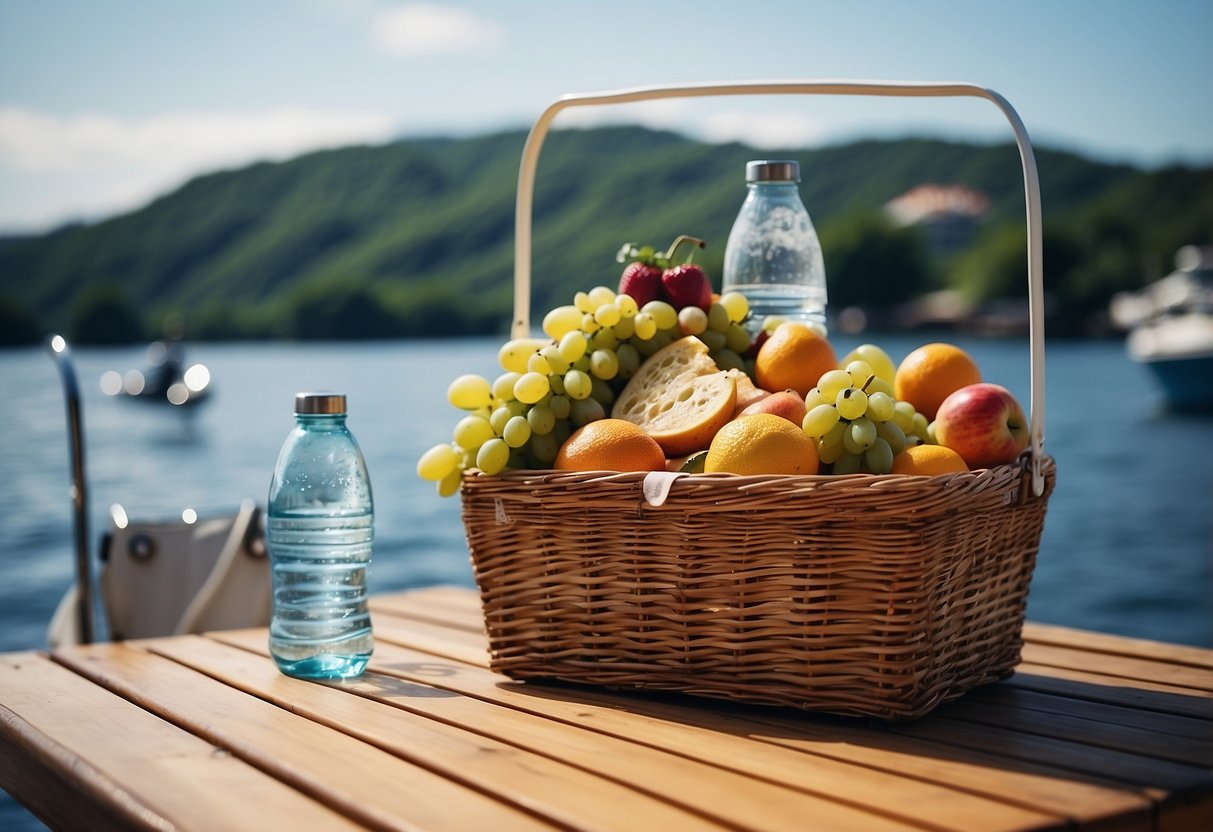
{"points": [[949, 213]]}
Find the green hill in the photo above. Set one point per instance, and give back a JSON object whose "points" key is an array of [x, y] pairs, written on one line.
{"points": [[415, 238]]}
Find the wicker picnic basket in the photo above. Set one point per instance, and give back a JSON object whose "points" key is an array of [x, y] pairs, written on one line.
{"points": [[878, 596]]}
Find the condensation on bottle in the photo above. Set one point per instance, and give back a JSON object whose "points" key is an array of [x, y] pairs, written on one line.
{"points": [[773, 255], [320, 529]]}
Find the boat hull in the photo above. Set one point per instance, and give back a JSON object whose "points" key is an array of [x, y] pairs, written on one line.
{"points": [[1187, 382]]}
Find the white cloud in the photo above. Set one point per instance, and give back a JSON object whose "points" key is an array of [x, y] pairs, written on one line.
{"points": [[755, 128], [673, 115], [54, 168], [427, 29], [762, 130], [31, 140]]}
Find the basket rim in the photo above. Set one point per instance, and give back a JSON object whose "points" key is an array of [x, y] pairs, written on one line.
{"points": [[715, 490], [742, 480]]}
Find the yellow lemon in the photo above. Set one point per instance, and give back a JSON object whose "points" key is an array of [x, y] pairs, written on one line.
{"points": [[761, 444]]}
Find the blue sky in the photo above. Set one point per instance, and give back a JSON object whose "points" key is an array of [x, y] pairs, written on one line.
{"points": [[104, 105]]}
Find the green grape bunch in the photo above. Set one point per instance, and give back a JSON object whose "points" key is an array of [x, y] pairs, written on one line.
{"points": [[552, 385], [858, 426]]}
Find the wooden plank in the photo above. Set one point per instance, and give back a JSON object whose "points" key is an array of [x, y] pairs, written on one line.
{"points": [[1086, 718], [1091, 642], [1126, 667], [1135, 770], [461, 601], [358, 780], [726, 734], [446, 606], [123, 767], [1186, 815], [829, 779], [735, 799], [423, 634], [545, 786], [1092, 687], [429, 607], [460, 643], [1184, 778], [1188, 704], [1162, 737], [1097, 736]]}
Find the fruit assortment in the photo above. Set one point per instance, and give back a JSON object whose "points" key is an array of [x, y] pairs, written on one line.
{"points": [[662, 373]]}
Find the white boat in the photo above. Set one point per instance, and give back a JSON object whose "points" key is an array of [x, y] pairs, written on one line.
{"points": [[1170, 326]]}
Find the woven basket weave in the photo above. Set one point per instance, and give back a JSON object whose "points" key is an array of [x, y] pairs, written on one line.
{"points": [[878, 596]]}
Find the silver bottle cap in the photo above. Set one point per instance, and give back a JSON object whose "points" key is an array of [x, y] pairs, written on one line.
{"points": [[772, 171], [329, 404]]}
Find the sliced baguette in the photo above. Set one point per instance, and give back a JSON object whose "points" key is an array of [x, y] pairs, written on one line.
{"points": [[679, 397]]}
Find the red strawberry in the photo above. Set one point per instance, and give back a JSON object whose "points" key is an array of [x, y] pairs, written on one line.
{"points": [[687, 285], [641, 278], [642, 281]]}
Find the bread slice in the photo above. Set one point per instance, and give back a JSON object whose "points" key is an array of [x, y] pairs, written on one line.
{"points": [[679, 397]]}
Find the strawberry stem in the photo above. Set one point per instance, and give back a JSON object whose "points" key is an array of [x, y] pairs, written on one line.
{"points": [[679, 240]]}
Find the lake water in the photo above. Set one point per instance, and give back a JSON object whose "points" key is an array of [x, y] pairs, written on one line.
{"points": [[1127, 546]]}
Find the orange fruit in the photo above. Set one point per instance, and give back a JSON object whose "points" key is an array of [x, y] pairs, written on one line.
{"points": [[679, 397], [610, 445], [761, 444], [793, 358], [928, 461], [929, 374]]}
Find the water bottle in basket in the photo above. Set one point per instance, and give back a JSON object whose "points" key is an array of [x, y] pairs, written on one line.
{"points": [[319, 534], [773, 256]]}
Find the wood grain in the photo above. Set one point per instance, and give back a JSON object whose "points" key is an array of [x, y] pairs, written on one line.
{"points": [[1070, 742], [359, 781], [202, 732], [125, 767], [727, 776]]}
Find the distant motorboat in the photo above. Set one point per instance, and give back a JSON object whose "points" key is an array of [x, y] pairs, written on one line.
{"points": [[1170, 329], [165, 380]]}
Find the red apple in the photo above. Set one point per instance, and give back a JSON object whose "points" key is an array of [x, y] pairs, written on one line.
{"points": [[787, 403], [983, 423]]}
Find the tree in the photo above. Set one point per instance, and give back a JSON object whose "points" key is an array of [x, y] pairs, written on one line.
{"points": [[342, 312], [872, 263], [17, 324], [1083, 267], [103, 314]]}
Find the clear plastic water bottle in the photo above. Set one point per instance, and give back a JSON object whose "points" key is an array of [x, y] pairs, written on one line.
{"points": [[773, 256], [319, 534]]}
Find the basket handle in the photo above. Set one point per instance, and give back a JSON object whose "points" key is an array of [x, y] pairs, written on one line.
{"points": [[534, 142]]}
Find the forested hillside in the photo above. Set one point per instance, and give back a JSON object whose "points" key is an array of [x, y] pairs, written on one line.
{"points": [[415, 238]]}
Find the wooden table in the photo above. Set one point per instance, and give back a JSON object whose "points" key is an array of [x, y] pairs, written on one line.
{"points": [[1093, 731]]}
